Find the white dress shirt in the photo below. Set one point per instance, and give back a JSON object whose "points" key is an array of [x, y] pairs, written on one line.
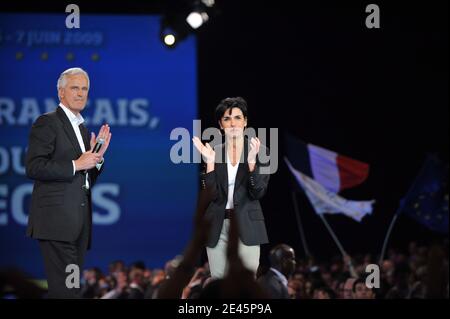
{"points": [[232, 171], [76, 120]]}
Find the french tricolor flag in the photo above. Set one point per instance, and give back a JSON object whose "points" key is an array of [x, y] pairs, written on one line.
{"points": [[333, 171]]}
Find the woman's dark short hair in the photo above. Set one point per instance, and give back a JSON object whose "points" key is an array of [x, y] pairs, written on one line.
{"points": [[228, 104]]}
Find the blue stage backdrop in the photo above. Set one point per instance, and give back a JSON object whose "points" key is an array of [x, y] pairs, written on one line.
{"points": [[143, 203]]}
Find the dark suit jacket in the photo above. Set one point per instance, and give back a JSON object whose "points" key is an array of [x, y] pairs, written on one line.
{"points": [[249, 188], [272, 284], [56, 211]]}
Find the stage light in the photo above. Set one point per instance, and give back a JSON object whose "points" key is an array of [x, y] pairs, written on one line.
{"points": [[168, 35], [182, 19], [196, 19], [169, 39], [208, 3], [171, 33]]}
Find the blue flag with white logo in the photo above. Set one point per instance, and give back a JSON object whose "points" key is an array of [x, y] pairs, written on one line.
{"points": [[427, 200]]}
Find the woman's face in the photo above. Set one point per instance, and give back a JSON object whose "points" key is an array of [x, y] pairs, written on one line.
{"points": [[233, 122]]}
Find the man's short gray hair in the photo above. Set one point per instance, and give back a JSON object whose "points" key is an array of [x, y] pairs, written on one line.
{"points": [[62, 81]]}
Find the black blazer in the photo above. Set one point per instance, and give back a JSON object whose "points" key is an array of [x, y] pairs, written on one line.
{"points": [[56, 211], [248, 189], [273, 285]]}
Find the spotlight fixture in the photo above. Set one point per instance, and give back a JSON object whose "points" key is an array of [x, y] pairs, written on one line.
{"points": [[197, 18], [184, 17], [168, 37], [173, 31]]}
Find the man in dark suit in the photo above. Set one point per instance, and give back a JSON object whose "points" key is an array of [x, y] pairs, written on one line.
{"points": [[275, 281], [64, 169]]}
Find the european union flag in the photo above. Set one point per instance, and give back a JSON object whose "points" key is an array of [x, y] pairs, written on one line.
{"points": [[427, 200]]}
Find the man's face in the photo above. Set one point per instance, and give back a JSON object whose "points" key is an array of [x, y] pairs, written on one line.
{"points": [[122, 279], [74, 94], [341, 290], [348, 292], [363, 292], [289, 262], [387, 266], [292, 292], [321, 294]]}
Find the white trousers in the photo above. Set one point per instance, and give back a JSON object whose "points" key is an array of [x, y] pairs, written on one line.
{"points": [[217, 256]]}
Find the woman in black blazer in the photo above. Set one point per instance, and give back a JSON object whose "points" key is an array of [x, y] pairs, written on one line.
{"points": [[234, 178]]}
